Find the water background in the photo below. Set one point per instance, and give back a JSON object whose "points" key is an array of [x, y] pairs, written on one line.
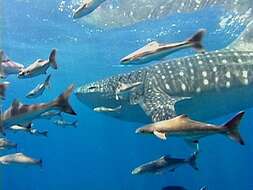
{"points": [[102, 151]]}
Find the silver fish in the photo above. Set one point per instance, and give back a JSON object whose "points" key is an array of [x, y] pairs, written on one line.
{"points": [[19, 113], [7, 66], [124, 88], [107, 109], [182, 126], [36, 132], [156, 51], [39, 89], [19, 158], [6, 144], [27, 129], [39, 66], [166, 162], [50, 114], [64, 123], [86, 7]]}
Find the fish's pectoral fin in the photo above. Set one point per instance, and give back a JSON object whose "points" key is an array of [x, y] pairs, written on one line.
{"points": [[160, 135]]}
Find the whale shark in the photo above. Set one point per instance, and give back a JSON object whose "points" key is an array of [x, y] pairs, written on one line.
{"points": [[203, 86]]}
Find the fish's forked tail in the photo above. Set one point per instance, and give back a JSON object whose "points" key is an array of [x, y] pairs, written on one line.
{"points": [[40, 163], [232, 128], [75, 123], [62, 102], [245, 40], [196, 40], [193, 159], [47, 81], [52, 59]]}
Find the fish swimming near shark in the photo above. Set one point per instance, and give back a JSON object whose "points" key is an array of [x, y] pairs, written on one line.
{"points": [[86, 7], [202, 86], [3, 87], [156, 51], [39, 66], [190, 130], [39, 89], [124, 88], [19, 158], [27, 129], [63, 123], [18, 113], [50, 114], [166, 162], [6, 144], [107, 109], [7, 66]]}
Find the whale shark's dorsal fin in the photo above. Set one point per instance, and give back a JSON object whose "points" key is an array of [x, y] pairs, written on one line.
{"points": [[245, 41]]}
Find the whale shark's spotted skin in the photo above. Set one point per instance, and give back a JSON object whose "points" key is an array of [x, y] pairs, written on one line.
{"points": [[180, 80]]}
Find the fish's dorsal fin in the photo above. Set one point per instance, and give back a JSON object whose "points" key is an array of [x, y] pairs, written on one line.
{"points": [[16, 103], [183, 116], [245, 40], [153, 44], [39, 60]]}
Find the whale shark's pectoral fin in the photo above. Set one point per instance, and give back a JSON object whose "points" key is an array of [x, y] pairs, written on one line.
{"points": [[158, 105], [160, 135]]}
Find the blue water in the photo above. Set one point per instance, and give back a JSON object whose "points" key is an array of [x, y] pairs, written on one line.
{"points": [[101, 152]]}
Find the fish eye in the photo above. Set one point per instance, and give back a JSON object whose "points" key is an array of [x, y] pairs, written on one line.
{"points": [[92, 87]]}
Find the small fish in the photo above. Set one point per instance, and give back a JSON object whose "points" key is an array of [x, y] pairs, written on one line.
{"points": [[20, 128], [3, 87], [39, 89], [173, 188], [39, 66], [50, 114], [106, 109], [28, 129], [36, 132], [156, 51], [123, 88], [166, 162], [64, 123], [7, 66], [6, 144], [19, 158], [86, 7], [192, 131], [19, 113]]}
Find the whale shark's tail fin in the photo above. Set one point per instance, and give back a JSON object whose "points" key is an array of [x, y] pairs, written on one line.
{"points": [[245, 41], [232, 128]]}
